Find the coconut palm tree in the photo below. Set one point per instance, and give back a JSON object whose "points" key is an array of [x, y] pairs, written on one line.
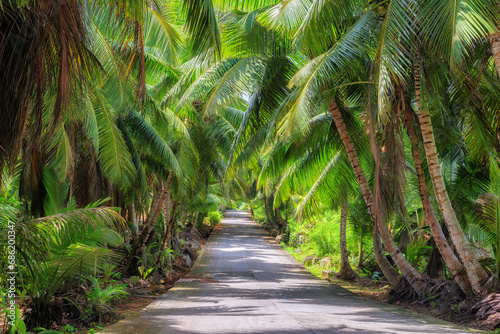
{"points": [[442, 244], [316, 167], [393, 22]]}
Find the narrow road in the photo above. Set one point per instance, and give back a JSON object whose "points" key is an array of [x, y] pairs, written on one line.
{"points": [[252, 285]]}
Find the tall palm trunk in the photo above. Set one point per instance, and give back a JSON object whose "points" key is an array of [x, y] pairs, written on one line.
{"points": [[171, 226], [390, 273], [167, 212], [227, 193], [495, 50], [411, 275], [444, 248], [133, 218], [360, 250], [345, 272], [475, 272], [270, 213]]}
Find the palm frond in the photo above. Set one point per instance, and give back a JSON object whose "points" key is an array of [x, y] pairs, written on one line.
{"points": [[451, 28]]}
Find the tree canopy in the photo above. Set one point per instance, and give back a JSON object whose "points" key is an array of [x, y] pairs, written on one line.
{"points": [[123, 124]]}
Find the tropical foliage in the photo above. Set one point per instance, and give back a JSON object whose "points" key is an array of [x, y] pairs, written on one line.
{"points": [[124, 124]]}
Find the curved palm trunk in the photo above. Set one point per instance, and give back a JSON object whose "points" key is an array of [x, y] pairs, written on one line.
{"points": [[270, 214], [389, 271], [195, 221], [140, 243], [282, 221], [411, 275], [475, 272], [392, 275], [409, 272], [345, 272], [444, 248]]}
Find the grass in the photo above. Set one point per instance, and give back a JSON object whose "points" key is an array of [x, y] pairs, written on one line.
{"points": [[363, 287], [319, 236], [315, 270]]}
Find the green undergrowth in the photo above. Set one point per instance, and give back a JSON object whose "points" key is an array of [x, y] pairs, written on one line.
{"points": [[320, 235], [315, 269], [375, 291], [214, 217]]}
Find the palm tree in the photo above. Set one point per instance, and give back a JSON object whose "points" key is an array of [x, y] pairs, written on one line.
{"points": [[390, 58], [56, 250], [476, 274], [446, 251], [453, 43], [488, 215], [413, 277], [345, 271], [341, 54]]}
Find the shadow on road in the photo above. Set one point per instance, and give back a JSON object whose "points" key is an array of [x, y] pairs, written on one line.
{"points": [[257, 287]]}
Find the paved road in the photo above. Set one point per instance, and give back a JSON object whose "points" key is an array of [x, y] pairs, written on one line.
{"points": [[262, 289]]}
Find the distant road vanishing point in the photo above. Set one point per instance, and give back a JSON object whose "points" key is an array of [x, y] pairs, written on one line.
{"points": [[249, 284]]}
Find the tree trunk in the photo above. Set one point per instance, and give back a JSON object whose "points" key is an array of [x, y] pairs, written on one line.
{"points": [[168, 234], [444, 248], [133, 218], [360, 251], [140, 243], [268, 207], [345, 272], [436, 267], [389, 271], [409, 272], [171, 226], [154, 214], [495, 50], [195, 222], [404, 241], [411, 275], [228, 196], [475, 272], [352, 154], [392, 275], [281, 220], [167, 206]]}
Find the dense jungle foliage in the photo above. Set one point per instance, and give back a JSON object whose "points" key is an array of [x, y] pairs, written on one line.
{"points": [[366, 131]]}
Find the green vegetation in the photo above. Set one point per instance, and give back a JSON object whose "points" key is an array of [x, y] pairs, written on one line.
{"points": [[319, 236], [214, 217], [100, 298], [370, 129]]}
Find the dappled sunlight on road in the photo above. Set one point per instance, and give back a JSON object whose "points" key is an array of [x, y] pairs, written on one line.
{"points": [[257, 287]]}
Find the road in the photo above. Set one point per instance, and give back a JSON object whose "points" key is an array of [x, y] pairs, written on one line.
{"points": [[251, 285]]}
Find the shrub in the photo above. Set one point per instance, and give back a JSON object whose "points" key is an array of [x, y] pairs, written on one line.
{"points": [[99, 300], [214, 217], [325, 233]]}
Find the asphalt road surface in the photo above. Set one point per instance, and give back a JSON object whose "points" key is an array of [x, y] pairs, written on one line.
{"points": [[249, 284]]}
